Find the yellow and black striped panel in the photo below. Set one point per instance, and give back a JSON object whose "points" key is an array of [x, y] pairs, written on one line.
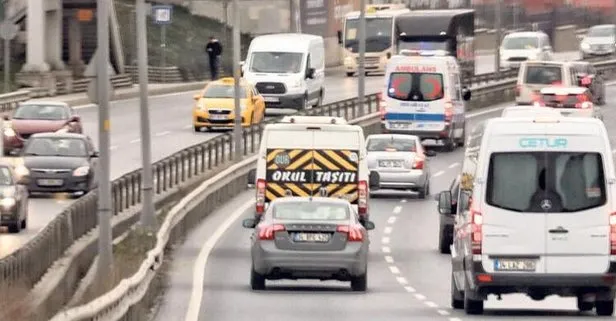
{"points": [[303, 172]]}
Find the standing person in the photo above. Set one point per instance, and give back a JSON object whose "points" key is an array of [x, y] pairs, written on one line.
{"points": [[214, 50]]}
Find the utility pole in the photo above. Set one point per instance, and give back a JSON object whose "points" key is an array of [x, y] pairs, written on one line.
{"points": [[105, 255], [292, 25], [237, 130], [148, 216], [498, 28], [361, 69]]}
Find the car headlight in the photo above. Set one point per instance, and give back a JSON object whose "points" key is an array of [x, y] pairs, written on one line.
{"points": [[8, 202], [21, 170], [585, 45], [8, 192], [81, 171], [348, 60], [9, 132]]}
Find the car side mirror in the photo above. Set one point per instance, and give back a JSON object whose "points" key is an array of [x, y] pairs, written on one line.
{"points": [[339, 33], [430, 153], [252, 176], [466, 94], [197, 97], [444, 202], [369, 225], [24, 180], [74, 119], [310, 73], [388, 55], [375, 180], [95, 154], [242, 66], [249, 223]]}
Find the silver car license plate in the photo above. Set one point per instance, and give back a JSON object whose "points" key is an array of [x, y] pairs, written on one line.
{"points": [[401, 125], [50, 182], [518, 265], [311, 237], [271, 99], [391, 163], [218, 117]]}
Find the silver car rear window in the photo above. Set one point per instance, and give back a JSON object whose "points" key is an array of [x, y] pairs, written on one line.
{"points": [[310, 211]]}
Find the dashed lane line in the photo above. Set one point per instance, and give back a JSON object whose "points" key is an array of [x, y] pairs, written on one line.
{"points": [[397, 209], [454, 165], [437, 174]]}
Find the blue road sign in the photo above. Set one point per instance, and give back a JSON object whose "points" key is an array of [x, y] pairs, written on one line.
{"points": [[162, 14]]}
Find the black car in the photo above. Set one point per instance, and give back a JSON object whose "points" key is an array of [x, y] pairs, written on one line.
{"points": [[587, 76], [13, 199], [447, 207], [59, 162]]}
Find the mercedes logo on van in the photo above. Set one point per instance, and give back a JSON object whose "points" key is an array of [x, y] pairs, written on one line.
{"points": [[270, 87], [546, 205], [282, 159]]}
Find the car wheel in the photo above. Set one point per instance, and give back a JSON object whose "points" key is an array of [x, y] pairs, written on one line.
{"points": [[444, 243], [472, 306], [583, 305], [15, 228], [359, 283], [457, 296], [198, 129], [257, 281], [604, 308], [460, 142], [350, 74]]}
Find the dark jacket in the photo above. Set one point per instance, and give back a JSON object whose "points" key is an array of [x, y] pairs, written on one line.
{"points": [[213, 49]]}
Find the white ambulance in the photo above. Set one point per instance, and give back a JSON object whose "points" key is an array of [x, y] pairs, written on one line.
{"points": [[423, 96]]}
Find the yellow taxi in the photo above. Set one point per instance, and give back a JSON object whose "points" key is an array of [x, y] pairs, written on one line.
{"points": [[214, 107]]}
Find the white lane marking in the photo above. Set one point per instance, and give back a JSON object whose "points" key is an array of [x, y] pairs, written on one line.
{"points": [[403, 201], [397, 209], [134, 141], [196, 295], [162, 133], [439, 173], [386, 249], [389, 259], [431, 304], [113, 147], [420, 297], [409, 289], [454, 165], [391, 220], [385, 240], [402, 280], [455, 319], [442, 312], [188, 126], [394, 269], [387, 230]]}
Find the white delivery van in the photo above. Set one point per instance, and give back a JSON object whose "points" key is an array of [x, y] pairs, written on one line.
{"points": [[423, 96], [522, 46], [287, 69], [298, 157], [536, 213], [536, 75]]}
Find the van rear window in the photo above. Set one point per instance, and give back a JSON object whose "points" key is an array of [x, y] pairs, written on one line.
{"points": [[544, 75], [415, 86], [546, 182]]}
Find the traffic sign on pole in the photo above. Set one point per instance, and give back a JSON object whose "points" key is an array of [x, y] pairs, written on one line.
{"points": [[162, 14], [8, 30]]}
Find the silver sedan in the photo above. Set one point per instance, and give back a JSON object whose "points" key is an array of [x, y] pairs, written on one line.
{"points": [[309, 238], [401, 162]]}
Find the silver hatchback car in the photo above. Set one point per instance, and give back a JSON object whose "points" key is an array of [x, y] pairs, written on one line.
{"points": [[401, 162], [309, 238]]}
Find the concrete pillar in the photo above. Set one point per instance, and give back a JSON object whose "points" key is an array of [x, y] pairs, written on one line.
{"points": [[74, 41], [53, 47], [35, 50]]}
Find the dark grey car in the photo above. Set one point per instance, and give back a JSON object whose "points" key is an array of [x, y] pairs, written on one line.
{"points": [[13, 199], [587, 76], [309, 238], [59, 162], [447, 200]]}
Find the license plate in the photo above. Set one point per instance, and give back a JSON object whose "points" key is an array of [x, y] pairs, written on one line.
{"points": [[519, 265], [401, 125], [271, 99], [311, 237], [218, 117], [50, 182], [391, 164]]}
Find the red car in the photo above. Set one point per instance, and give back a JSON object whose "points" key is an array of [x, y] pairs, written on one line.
{"points": [[38, 117]]}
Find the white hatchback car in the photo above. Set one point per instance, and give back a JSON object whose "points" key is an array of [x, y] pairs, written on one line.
{"points": [[522, 46]]}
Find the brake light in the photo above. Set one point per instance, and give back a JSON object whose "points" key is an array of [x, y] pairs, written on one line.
{"points": [[586, 81], [267, 232], [354, 232], [448, 111], [613, 233], [362, 201], [418, 163], [518, 90], [476, 231], [584, 105], [260, 202]]}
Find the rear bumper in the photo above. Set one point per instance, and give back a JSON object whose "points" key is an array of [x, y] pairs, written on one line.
{"points": [[422, 134], [276, 264], [401, 180], [293, 101], [70, 184]]}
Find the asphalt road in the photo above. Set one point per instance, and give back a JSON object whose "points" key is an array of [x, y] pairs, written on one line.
{"points": [[170, 117], [408, 278]]}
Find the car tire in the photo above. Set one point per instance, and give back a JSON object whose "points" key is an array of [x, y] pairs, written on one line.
{"points": [[604, 308], [460, 141], [444, 244], [24, 223], [457, 296], [350, 74], [257, 281], [359, 283], [15, 228], [583, 305], [472, 307], [425, 191], [197, 129]]}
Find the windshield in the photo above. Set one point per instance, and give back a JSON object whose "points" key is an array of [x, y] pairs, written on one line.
{"points": [[415, 86], [222, 91], [550, 182], [6, 178], [423, 45], [563, 101], [543, 75], [276, 62], [521, 43], [391, 145], [41, 112], [378, 34], [310, 211], [46, 146], [603, 31]]}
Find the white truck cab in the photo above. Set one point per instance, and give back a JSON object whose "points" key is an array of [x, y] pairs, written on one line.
{"points": [[287, 69], [536, 213]]}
